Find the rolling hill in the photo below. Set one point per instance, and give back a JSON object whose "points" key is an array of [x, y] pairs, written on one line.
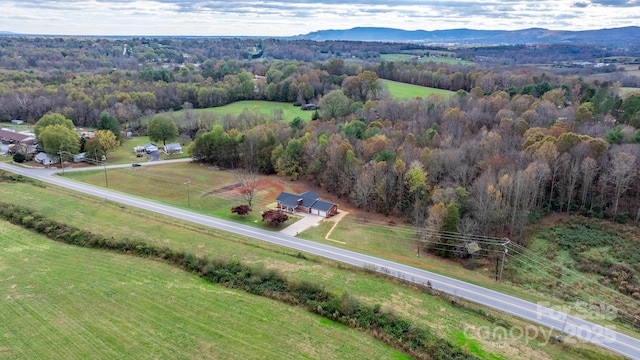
{"points": [[615, 36]]}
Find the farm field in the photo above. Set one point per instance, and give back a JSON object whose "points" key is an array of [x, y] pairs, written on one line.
{"points": [[626, 91], [443, 58], [271, 110], [65, 302], [439, 314], [400, 91]]}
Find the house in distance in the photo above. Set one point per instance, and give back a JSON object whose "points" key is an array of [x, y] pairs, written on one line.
{"points": [[307, 202]]}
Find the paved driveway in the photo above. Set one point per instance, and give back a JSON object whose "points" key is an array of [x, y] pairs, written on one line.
{"points": [[303, 224]]}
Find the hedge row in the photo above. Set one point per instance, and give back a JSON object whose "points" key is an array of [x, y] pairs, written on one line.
{"points": [[395, 331]]}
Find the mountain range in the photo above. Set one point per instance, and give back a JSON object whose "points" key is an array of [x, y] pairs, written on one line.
{"points": [[616, 36]]}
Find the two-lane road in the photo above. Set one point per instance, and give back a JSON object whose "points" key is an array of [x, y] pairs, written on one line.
{"points": [[548, 318]]}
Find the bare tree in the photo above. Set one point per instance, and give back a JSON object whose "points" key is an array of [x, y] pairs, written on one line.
{"points": [[589, 169], [248, 181], [621, 174], [364, 188]]}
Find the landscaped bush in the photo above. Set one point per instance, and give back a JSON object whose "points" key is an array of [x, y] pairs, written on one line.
{"points": [[19, 157], [396, 331]]}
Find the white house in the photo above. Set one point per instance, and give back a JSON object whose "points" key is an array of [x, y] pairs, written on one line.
{"points": [[44, 159], [174, 148]]}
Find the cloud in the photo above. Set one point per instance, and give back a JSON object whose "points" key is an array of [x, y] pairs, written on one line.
{"points": [[290, 17], [581, 4], [617, 3]]}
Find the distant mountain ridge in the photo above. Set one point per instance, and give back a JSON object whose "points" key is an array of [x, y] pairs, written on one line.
{"points": [[615, 36]]}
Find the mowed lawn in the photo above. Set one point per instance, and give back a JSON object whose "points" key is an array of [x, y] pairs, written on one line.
{"points": [[401, 91], [63, 302], [193, 186]]}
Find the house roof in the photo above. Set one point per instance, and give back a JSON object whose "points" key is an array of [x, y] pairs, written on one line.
{"points": [[173, 146], [14, 136], [309, 200], [291, 200], [323, 205]]}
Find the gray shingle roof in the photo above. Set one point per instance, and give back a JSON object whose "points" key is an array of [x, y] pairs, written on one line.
{"points": [[309, 200]]}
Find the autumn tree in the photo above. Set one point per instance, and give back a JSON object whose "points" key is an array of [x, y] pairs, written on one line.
{"points": [[334, 105], [162, 128], [52, 119], [58, 138], [416, 182], [241, 209], [274, 217], [104, 140]]}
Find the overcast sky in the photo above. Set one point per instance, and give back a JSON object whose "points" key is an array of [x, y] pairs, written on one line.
{"points": [[284, 18]]}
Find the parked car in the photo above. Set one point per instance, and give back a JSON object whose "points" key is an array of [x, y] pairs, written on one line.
{"points": [[136, 164]]}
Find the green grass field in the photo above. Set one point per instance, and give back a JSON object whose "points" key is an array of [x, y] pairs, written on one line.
{"points": [[626, 91], [401, 91], [435, 313], [63, 302], [444, 58], [209, 191], [269, 110]]}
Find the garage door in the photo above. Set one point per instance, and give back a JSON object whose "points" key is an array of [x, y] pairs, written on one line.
{"points": [[315, 211], [322, 213]]}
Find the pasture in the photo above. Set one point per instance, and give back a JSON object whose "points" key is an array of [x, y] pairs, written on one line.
{"points": [[255, 111], [402, 91], [437, 57], [64, 302], [446, 319], [626, 91]]}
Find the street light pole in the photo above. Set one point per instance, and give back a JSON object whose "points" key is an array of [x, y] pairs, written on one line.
{"points": [[188, 195]]}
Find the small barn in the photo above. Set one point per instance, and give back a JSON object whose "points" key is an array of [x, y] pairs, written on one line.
{"points": [[307, 202]]}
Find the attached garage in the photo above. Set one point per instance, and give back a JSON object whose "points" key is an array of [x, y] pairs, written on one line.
{"points": [[307, 202]]}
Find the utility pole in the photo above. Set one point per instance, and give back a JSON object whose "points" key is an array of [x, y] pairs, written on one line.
{"points": [[106, 181], [61, 160], [188, 195], [504, 254]]}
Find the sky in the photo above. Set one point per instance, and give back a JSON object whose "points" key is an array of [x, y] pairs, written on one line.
{"points": [[294, 17]]}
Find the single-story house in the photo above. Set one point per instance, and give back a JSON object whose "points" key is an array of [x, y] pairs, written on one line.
{"points": [[19, 142], [80, 157], [12, 137], [150, 147], [307, 202], [174, 148], [17, 122], [44, 159]]}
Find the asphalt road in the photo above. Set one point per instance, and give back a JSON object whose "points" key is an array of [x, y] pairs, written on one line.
{"points": [[577, 328]]}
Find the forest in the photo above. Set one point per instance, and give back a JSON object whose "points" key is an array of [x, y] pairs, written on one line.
{"points": [[510, 145]]}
